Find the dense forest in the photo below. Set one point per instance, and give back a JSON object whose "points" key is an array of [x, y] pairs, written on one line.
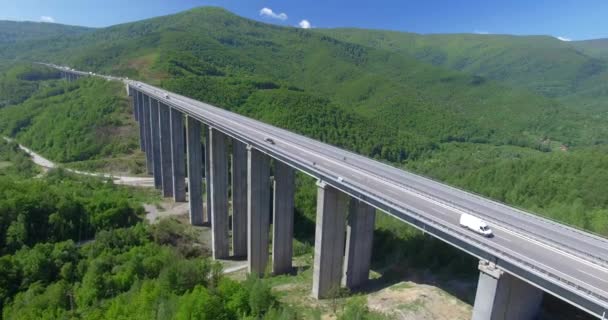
{"points": [[77, 248]]}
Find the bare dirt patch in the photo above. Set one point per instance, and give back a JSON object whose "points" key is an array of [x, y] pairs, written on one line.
{"points": [[166, 208], [409, 301]]}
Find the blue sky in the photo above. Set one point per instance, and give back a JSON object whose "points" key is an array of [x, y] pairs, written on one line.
{"points": [[577, 20]]}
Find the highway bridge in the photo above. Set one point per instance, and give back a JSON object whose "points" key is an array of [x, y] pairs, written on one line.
{"points": [[527, 257]]}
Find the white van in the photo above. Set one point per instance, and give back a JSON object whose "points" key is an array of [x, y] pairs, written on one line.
{"points": [[475, 224]]}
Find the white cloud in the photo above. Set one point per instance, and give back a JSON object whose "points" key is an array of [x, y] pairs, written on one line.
{"points": [[267, 12], [47, 19], [304, 24], [564, 39], [481, 32]]}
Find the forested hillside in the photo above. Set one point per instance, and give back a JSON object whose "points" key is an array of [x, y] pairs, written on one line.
{"points": [[400, 91], [573, 72], [12, 32], [87, 122]]}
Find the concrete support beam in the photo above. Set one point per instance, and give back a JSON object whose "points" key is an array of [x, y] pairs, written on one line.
{"points": [[133, 99], [329, 241], [501, 296], [155, 133], [177, 155], [218, 169], [239, 199], [207, 213], [359, 239], [195, 171], [166, 164], [258, 210], [283, 211], [137, 98], [147, 133]]}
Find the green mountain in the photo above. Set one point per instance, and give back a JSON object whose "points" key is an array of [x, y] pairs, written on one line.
{"points": [[413, 98], [597, 48], [573, 71], [12, 32]]}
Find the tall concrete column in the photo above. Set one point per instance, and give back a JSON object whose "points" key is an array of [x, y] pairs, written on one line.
{"points": [[282, 222], [140, 119], [239, 199], [133, 99], [155, 132], [195, 171], [177, 155], [359, 239], [207, 213], [164, 119], [329, 241], [218, 174], [501, 296], [258, 210], [147, 133]]}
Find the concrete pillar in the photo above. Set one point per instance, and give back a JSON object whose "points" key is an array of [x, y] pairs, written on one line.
{"points": [[218, 174], [155, 133], [140, 116], [258, 210], [207, 213], [329, 241], [177, 155], [195, 171], [501, 296], [165, 149], [133, 99], [239, 199], [147, 132], [282, 222], [359, 239]]}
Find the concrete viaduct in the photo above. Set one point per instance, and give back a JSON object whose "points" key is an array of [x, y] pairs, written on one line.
{"points": [[230, 159]]}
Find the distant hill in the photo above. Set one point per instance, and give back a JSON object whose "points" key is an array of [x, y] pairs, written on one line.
{"points": [[596, 48], [575, 71], [17, 31]]}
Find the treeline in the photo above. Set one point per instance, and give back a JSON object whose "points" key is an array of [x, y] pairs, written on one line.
{"points": [[124, 274], [58, 208]]}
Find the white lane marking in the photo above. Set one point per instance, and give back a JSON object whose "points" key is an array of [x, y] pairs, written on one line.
{"points": [[594, 276]]}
